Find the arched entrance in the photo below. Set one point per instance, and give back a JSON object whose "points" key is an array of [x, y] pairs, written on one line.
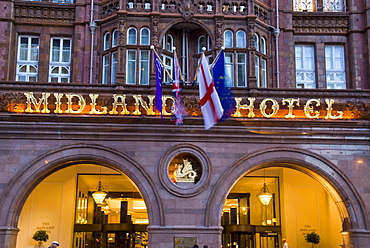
{"points": [[299, 205], [81, 163], [323, 181]]}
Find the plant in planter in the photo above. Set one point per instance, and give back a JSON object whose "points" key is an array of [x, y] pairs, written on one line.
{"points": [[40, 236], [313, 238]]}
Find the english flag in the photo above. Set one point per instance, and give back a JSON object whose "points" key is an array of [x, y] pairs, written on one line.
{"points": [[211, 107]]}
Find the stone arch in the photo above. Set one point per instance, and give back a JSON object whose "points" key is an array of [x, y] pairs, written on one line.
{"points": [[22, 184], [197, 22], [334, 181]]}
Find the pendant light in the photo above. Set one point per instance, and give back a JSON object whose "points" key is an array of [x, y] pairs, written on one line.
{"points": [[99, 195], [264, 196]]}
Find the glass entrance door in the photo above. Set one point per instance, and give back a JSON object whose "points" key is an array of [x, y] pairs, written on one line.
{"points": [[267, 241]]}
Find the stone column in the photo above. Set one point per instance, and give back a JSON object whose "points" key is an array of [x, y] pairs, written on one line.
{"points": [[8, 236], [356, 238]]}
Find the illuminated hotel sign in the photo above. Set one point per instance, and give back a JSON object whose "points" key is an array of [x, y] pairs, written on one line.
{"points": [[122, 104]]}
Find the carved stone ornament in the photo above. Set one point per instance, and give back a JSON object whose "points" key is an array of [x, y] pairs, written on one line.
{"points": [[186, 10], [184, 172]]}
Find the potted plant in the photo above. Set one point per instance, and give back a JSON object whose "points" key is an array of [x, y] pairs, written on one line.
{"points": [[313, 238], [40, 236]]}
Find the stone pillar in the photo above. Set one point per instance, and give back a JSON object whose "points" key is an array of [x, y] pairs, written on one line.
{"points": [[356, 238], [8, 236]]}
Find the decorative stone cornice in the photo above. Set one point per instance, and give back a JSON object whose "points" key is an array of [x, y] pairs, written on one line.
{"points": [[53, 14], [308, 23]]}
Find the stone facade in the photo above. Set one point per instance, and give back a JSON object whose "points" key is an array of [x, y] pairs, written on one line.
{"points": [[332, 148]]}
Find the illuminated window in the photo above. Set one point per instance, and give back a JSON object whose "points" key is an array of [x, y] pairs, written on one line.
{"points": [[305, 66], [27, 58], [144, 67], [60, 60], [320, 5], [335, 69]]}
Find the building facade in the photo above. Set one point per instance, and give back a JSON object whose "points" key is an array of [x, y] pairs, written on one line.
{"points": [[77, 117]]}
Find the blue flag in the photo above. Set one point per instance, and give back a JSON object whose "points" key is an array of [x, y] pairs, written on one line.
{"points": [[158, 83], [224, 92]]}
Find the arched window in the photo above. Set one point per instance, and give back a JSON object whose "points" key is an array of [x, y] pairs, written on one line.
{"points": [[228, 39], [169, 43], [201, 43], [144, 36], [240, 39], [106, 41], [132, 36], [256, 42], [263, 45], [115, 38]]}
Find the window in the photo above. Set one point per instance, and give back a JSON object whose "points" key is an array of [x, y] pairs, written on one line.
{"points": [[131, 67], [27, 59], [305, 66], [229, 69], [241, 70], [263, 45], [235, 61], [105, 69], [115, 38], [256, 39], [335, 69], [60, 60], [114, 67], [132, 36], [168, 62], [201, 43], [144, 67], [144, 36], [263, 81], [137, 57], [228, 39], [106, 41], [240, 39], [319, 5]]}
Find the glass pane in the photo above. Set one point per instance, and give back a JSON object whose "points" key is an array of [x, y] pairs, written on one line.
{"points": [[23, 68], [115, 38], [106, 41], [64, 70], [54, 80], [34, 49], [144, 67], [144, 36], [228, 38], [33, 69], [240, 39], [66, 50], [55, 70], [55, 50], [132, 36], [64, 80]]}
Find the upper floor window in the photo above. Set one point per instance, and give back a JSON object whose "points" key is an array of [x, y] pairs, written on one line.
{"points": [[27, 58], [60, 60], [106, 41], [132, 36], [144, 36], [335, 69], [256, 39], [228, 39], [305, 66], [240, 39], [320, 5], [263, 45]]}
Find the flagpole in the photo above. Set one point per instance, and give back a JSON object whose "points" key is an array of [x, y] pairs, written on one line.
{"points": [[160, 61], [196, 72], [181, 77], [218, 55]]}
